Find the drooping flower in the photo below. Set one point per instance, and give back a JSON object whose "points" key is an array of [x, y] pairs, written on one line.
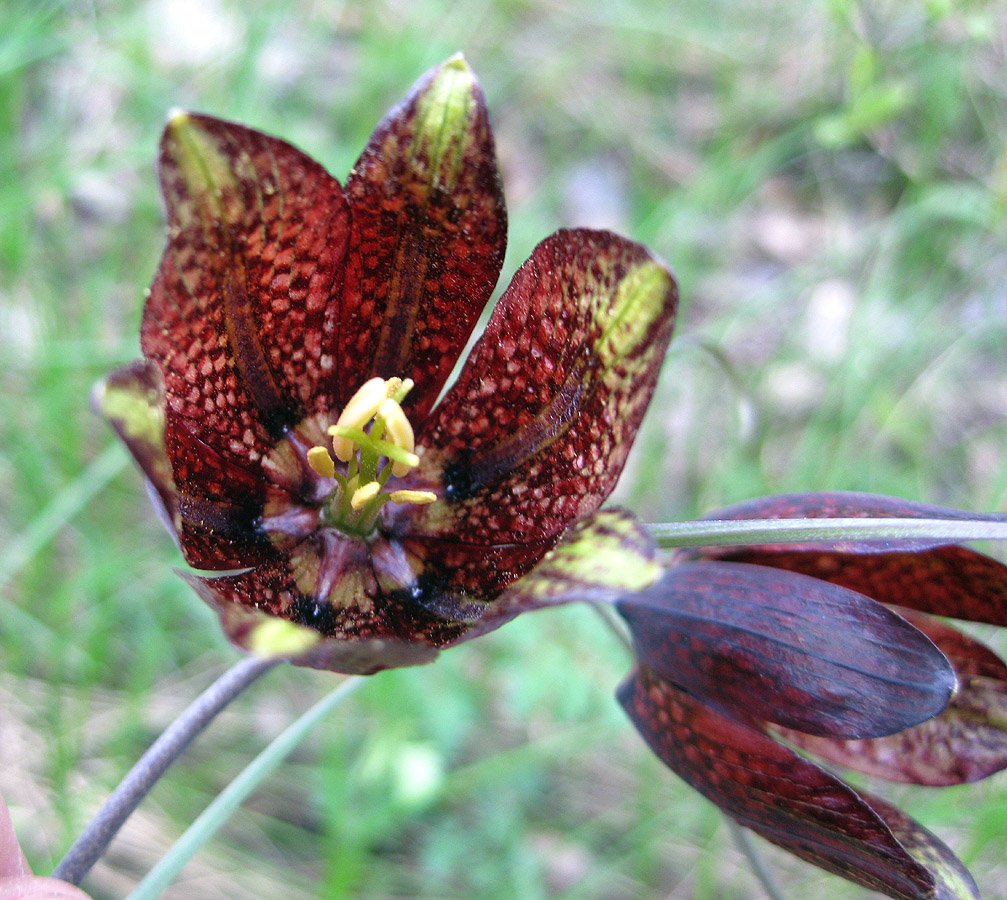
{"points": [[296, 339], [345, 511], [739, 647]]}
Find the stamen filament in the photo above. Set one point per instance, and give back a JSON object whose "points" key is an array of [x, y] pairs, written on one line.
{"points": [[371, 432]]}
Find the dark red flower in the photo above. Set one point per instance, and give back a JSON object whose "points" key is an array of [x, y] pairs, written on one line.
{"points": [[286, 306], [741, 646], [296, 333]]}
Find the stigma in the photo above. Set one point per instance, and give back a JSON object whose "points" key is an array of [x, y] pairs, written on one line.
{"points": [[374, 439]]}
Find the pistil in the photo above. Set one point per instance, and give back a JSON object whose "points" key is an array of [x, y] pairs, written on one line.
{"points": [[375, 440]]}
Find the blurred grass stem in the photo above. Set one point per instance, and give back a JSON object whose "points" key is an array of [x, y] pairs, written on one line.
{"points": [[743, 838]]}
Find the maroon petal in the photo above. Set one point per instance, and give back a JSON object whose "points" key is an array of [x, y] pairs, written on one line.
{"points": [[944, 580], [131, 399], [966, 742], [219, 504], [790, 801], [599, 559], [536, 430], [241, 314], [774, 645], [429, 234], [332, 587], [263, 633]]}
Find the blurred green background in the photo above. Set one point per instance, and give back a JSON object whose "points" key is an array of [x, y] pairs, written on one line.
{"points": [[829, 182]]}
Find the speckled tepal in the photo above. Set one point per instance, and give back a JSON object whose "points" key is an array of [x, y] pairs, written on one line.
{"points": [[296, 339]]}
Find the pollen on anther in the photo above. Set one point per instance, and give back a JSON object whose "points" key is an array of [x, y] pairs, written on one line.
{"points": [[405, 496], [321, 462], [364, 495]]}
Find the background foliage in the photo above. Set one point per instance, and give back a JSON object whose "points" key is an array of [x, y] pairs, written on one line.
{"points": [[829, 181]]}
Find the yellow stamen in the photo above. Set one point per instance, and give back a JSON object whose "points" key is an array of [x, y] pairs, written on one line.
{"points": [[420, 497], [398, 431], [362, 407], [372, 435], [364, 495], [321, 462], [404, 386]]}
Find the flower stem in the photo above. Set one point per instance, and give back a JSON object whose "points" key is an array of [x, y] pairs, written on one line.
{"points": [[614, 624], [94, 840], [738, 532], [229, 799], [743, 838]]}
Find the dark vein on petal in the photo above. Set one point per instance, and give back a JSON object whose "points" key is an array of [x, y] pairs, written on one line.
{"points": [[251, 360], [405, 293], [475, 470], [722, 640]]}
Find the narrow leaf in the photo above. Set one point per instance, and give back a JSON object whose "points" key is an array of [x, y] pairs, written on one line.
{"points": [[846, 504]]}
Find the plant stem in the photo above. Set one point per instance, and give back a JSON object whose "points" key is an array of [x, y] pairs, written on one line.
{"points": [[229, 799], [94, 840], [743, 838], [740, 532], [615, 625]]}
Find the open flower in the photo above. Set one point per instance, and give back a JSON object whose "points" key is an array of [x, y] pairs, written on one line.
{"points": [[741, 646], [296, 339], [291, 419]]}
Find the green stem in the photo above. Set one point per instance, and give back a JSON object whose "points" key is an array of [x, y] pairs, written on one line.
{"points": [[95, 839], [227, 801], [742, 532], [743, 838]]}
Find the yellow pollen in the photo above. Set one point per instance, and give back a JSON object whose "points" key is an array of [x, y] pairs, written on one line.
{"points": [[362, 407], [320, 460], [373, 436], [364, 495], [420, 497], [399, 432]]}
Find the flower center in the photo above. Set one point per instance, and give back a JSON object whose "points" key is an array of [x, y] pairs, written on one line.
{"points": [[374, 438]]}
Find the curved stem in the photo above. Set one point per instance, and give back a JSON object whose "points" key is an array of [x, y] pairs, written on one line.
{"points": [[743, 838], [229, 799], [736, 532], [614, 624], [94, 840]]}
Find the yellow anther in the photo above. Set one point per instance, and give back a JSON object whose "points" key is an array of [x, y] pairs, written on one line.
{"points": [[362, 407], [398, 431], [412, 497], [364, 495], [321, 462], [404, 386]]}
